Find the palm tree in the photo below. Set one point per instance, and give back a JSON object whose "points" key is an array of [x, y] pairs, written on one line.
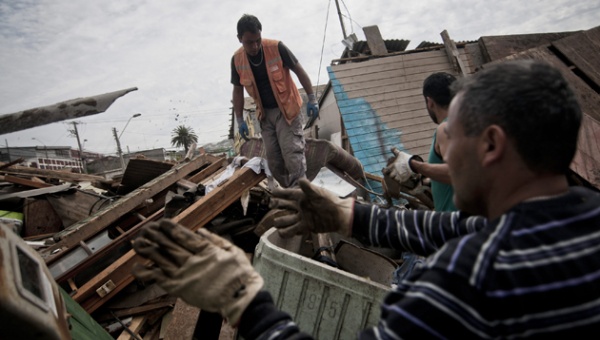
{"points": [[183, 136]]}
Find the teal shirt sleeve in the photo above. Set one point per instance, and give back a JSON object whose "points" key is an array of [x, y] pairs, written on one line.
{"points": [[443, 194]]}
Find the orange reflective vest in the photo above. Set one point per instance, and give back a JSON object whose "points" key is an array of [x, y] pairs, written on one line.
{"points": [[285, 91]]}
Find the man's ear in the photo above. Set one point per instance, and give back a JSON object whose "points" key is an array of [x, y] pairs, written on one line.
{"points": [[493, 143], [430, 103]]}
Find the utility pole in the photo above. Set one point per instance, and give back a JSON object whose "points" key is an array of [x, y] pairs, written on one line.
{"points": [[119, 151], [7, 150], [76, 133], [337, 5]]}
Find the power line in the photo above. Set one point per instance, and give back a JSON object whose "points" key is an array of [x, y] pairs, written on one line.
{"points": [[322, 48]]}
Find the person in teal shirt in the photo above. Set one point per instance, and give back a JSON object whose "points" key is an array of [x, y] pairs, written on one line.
{"points": [[436, 90]]}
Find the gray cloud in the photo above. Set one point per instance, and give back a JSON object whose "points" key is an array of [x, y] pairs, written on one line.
{"points": [[178, 53]]}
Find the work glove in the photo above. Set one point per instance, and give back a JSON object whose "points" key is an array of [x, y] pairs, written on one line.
{"points": [[312, 107], [400, 169], [316, 210], [202, 268], [243, 129]]}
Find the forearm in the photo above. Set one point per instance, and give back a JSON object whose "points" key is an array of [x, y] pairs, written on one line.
{"points": [[420, 232], [238, 102], [263, 320], [437, 172], [433, 303], [303, 78]]}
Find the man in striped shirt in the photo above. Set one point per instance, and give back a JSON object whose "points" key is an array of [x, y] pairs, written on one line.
{"points": [[521, 257]]}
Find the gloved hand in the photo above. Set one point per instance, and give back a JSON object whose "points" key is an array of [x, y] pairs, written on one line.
{"points": [[400, 169], [317, 210], [202, 268], [312, 106], [243, 129]]}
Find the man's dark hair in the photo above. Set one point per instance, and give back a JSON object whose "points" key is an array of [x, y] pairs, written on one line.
{"points": [[437, 87], [533, 103], [248, 23]]}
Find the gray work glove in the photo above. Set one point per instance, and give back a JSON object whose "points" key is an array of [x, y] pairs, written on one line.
{"points": [[202, 268], [400, 169], [317, 210]]}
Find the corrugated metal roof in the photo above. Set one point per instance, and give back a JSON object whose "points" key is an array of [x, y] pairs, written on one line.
{"points": [[392, 45], [382, 105]]}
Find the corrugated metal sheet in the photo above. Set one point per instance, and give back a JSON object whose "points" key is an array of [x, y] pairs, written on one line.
{"points": [[382, 105], [392, 45]]}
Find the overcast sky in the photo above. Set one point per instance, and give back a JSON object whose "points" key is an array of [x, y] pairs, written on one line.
{"points": [[178, 52]]}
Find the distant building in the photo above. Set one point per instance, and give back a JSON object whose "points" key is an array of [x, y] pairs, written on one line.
{"points": [[159, 155], [48, 157]]}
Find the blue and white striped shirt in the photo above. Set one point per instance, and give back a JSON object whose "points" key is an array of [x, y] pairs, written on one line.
{"points": [[533, 272]]}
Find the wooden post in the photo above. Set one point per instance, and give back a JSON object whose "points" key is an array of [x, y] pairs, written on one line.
{"points": [[374, 40], [453, 55]]}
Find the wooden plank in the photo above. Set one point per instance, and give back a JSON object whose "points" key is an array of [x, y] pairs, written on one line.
{"points": [[195, 217], [140, 172], [217, 163], [393, 64], [384, 82], [136, 325], [211, 205], [25, 182], [95, 260], [374, 40], [583, 50], [91, 226], [586, 162], [37, 192], [150, 293], [422, 69], [75, 206], [144, 308], [403, 57], [61, 175], [453, 55], [39, 218], [498, 47], [112, 247], [15, 162], [587, 159], [182, 322]]}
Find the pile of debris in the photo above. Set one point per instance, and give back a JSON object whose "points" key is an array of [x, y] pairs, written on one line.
{"points": [[84, 232], [82, 226]]}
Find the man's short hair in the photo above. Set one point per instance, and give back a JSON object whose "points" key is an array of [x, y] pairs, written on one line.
{"points": [[533, 103], [248, 23], [437, 87]]}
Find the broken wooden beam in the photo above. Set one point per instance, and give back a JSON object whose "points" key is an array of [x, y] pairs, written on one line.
{"points": [[61, 175], [16, 161], [37, 192], [78, 272], [118, 274], [102, 219], [374, 40], [25, 182], [453, 55]]}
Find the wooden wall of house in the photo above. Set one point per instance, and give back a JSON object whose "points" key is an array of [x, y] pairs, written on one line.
{"points": [[382, 105]]}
